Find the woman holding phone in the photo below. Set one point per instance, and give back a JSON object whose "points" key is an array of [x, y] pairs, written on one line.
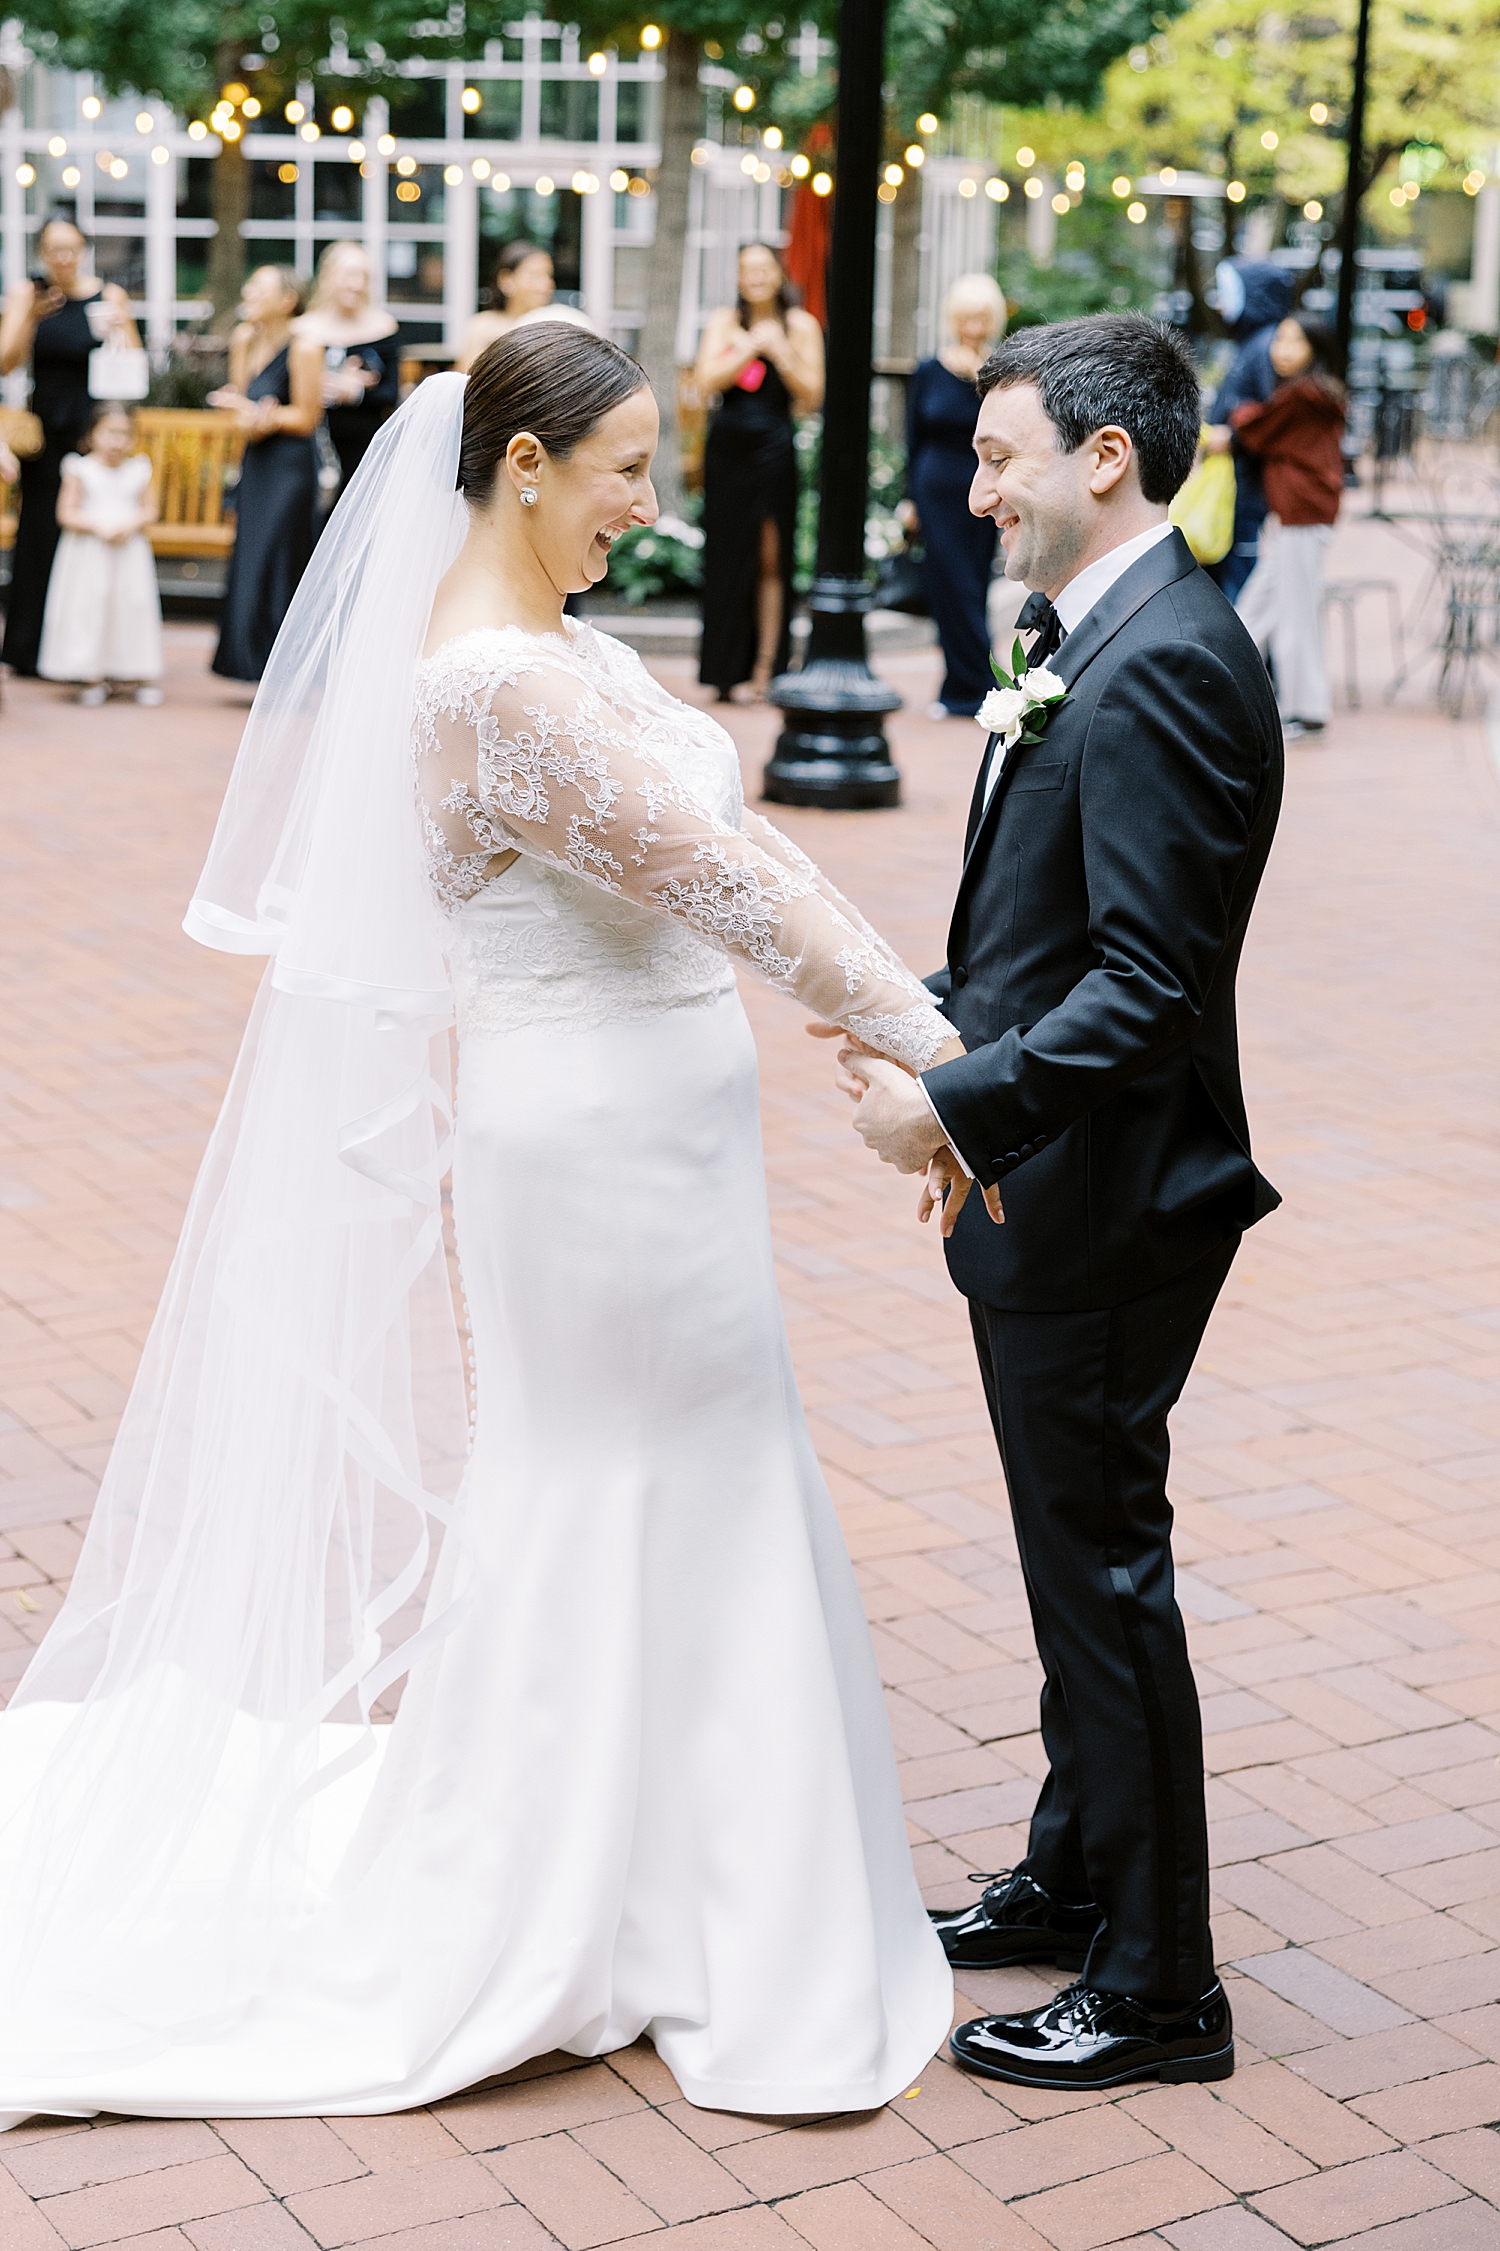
{"points": [[54, 320]]}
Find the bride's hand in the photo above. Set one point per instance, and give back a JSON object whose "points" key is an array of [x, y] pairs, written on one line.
{"points": [[945, 1176]]}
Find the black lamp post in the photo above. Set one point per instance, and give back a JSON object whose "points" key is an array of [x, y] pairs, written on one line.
{"points": [[1353, 189], [832, 750]]}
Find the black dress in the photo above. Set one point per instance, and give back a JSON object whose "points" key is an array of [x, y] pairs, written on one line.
{"points": [[749, 473], [941, 410], [352, 427], [273, 535], [60, 400]]}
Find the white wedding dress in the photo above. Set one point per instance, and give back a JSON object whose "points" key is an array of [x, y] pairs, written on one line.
{"points": [[643, 1782]]}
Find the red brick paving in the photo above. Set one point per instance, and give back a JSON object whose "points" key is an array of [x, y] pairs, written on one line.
{"points": [[1337, 1475]]}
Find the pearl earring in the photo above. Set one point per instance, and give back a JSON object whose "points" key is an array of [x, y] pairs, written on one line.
{"points": [[528, 496]]}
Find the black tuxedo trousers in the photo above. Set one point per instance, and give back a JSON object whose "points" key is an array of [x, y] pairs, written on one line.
{"points": [[1080, 1402], [1107, 886]]}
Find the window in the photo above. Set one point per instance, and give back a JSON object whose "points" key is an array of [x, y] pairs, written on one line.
{"points": [[498, 117], [338, 191], [570, 109], [272, 194]]}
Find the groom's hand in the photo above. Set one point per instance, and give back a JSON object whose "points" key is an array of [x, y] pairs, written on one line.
{"points": [[893, 1117]]}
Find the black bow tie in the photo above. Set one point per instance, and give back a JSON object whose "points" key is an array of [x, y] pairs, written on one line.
{"points": [[1039, 617]]}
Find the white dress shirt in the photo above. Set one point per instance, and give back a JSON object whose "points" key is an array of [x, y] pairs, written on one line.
{"points": [[1077, 598]]}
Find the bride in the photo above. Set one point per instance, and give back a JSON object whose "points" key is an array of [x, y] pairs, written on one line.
{"points": [[640, 1780]]}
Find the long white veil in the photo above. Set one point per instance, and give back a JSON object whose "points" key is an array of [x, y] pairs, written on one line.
{"points": [[256, 1570]]}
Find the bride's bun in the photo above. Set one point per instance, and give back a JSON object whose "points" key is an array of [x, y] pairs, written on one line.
{"points": [[554, 381]]}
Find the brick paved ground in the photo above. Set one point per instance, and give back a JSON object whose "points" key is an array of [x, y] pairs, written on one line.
{"points": [[1337, 1473]]}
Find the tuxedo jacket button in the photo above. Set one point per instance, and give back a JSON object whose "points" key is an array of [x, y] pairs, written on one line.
{"points": [[1012, 1158], [1026, 1148], [960, 975], [1041, 1141]]}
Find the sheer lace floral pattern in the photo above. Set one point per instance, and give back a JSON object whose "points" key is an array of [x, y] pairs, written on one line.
{"points": [[639, 856]]}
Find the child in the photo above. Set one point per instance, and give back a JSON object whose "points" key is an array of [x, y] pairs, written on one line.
{"points": [[1295, 434], [102, 623]]}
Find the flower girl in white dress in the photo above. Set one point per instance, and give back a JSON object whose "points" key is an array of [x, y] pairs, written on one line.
{"points": [[102, 623], [640, 1781]]}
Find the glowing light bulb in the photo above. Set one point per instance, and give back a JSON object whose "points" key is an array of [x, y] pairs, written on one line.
{"points": [[619, 180], [927, 123], [92, 106], [598, 64], [57, 146], [822, 183], [144, 121], [342, 118], [1135, 213], [294, 113], [650, 35], [453, 174], [1236, 191], [998, 191], [159, 155], [472, 100], [1025, 157], [744, 98], [1121, 186], [1270, 140]]}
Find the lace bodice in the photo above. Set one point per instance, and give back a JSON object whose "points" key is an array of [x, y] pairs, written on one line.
{"points": [[641, 871]]}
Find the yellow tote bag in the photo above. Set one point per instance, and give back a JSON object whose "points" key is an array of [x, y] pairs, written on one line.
{"points": [[1204, 509]]}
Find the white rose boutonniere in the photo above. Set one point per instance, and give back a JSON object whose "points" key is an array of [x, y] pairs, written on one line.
{"points": [[1019, 708]]}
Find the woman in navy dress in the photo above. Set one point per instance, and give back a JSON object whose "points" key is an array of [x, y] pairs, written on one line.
{"points": [[362, 353], [275, 393], [942, 406]]}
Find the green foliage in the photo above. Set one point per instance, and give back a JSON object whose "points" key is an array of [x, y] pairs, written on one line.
{"points": [[1102, 265]]}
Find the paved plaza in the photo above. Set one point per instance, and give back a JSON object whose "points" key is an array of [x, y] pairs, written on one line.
{"points": [[1336, 1473]]}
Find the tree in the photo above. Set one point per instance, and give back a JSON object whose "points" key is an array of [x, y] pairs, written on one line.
{"points": [[1228, 78], [187, 52]]}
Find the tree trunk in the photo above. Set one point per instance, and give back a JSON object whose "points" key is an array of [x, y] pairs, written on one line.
{"points": [[680, 124], [231, 204]]}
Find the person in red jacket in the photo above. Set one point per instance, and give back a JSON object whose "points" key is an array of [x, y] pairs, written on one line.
{"points": [[1295, 435]]}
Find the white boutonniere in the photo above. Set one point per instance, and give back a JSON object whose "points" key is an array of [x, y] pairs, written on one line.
{"points": [[1019, 708]]}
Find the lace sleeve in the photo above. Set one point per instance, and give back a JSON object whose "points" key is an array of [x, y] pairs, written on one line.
{"points": [[536, 759]]}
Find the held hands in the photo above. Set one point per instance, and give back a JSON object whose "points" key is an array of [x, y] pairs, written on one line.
{"points": [[894, 1118]]}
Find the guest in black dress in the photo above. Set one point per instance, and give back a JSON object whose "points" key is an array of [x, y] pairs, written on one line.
{"points": [[361, 357], [275, 392], [765, 356], [942, 406], [49, 325]]}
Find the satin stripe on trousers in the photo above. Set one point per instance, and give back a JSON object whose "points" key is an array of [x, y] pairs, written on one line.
{"points": [[1080, 1402]]}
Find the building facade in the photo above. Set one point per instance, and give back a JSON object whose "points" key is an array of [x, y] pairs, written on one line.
{"points": [[536, 137]]}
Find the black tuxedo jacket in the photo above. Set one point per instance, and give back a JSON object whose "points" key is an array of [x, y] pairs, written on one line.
{"points": [[1093, 950]]}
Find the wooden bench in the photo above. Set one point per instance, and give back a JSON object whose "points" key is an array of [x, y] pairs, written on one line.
{"points": [[192, 451]]}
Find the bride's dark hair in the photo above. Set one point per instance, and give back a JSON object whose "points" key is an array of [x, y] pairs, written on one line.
{"points": [[547, 377]]}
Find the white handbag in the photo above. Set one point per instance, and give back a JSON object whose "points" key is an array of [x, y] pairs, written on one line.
{"points": [[119, 371]]}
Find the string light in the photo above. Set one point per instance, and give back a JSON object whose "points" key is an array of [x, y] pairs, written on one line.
{"points": [[598, 64], [650, 35], [250, 106], [1236, 191], [294, 113], [744, 98], [26, 173], [1135, 213], [927, 123], [1319, 113], [57, 146], [453, 175], [342, 119], [545, 186], [1025, 158], [92, 106], [916, 157], [1313, 210], [799, 167], [1033, 187], [288, 174], [1270, 140], [472, 100], [144, 121], [159, 155], [998, 191], [1121, 186], [619, 180], [822, 183], [968, 189]]}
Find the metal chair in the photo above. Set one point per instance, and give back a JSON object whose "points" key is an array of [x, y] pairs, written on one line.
{"points": [[1343, 594]]}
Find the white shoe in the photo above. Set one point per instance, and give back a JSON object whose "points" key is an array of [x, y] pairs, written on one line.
{"points": [[95, 695], [148, 695]]}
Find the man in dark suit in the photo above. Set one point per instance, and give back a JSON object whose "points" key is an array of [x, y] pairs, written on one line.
{"points": [[1109, 871]]}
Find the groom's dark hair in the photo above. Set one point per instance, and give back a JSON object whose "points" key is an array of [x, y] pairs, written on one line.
{"points": [[1110, 368]]}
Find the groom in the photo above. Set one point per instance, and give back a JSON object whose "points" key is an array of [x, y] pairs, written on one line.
{"points": [[1109, 870]]}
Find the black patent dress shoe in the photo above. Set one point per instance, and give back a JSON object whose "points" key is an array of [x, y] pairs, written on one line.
{"points": [[1083, 2038], [1016, 1921]]}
